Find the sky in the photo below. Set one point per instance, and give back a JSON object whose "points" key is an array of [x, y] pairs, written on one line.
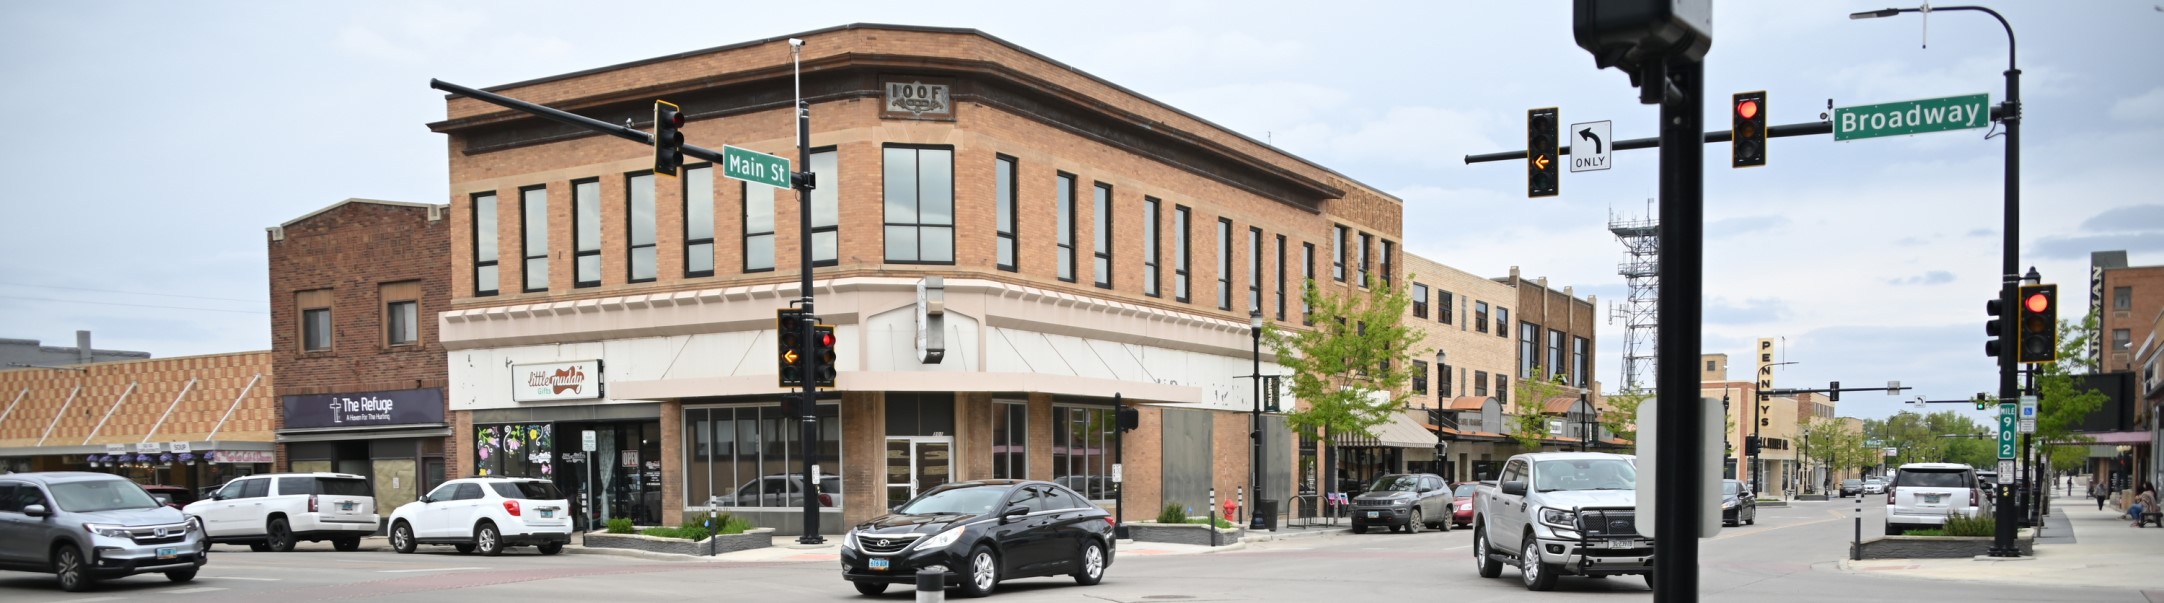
{"points": [[150, 143]]}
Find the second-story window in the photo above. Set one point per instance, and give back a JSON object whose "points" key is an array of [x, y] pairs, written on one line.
{"points": [[1480, 383], [1367, 241], [1388, 249], [1577, 361], [1528, 349], [826, 207], [1003, 184], [401, 312], [1281, 277], [315, 309], [1480, 316], [586, 233], [642, 250], [1337, 253], [1180, 257], [1420, 300], [1101, 232], [1420, 377], [2122, 298], [919, 189], [1555, 355], [1064, 213], [759, 226], [534, 236], [699, 221], [1502, 322], [1445, 305], [1254, 269], [1307, 279], [1150, 246], [1224, 264], [485, 248]]}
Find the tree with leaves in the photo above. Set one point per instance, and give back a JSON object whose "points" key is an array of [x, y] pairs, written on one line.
{"points": [[1830, 443], [1347, 371], [1621, 416], [1529, 415]]}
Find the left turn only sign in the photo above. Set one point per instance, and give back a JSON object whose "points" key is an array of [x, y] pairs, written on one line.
{"points": [[1589, 146]]}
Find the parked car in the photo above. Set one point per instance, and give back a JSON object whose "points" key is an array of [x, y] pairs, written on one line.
{"points": [[1403, 501], [171, 496], [1988, 481], [1922, 494], [786, 491], [275, 511], [1874, 486], [1851, 487], [83, 527], [486, 514], [1461, 504], [1556, 513], [1738, 504], [981, 533]]}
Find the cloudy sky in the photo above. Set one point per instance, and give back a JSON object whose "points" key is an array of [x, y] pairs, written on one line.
{"points": [[149, 144]]}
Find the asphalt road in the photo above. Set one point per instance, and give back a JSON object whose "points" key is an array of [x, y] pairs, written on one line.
{"points": [[1788, 556]]}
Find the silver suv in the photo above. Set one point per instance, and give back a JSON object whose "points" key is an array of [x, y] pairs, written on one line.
{"points": [[86, 526]]}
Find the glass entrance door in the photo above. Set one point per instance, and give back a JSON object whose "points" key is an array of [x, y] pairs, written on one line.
{"points": [[916, 464]]}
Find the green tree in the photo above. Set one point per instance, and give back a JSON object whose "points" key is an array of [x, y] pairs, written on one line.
{"points": [[1831, 444], [1621, 416], [1348, 371], [2061, 402], [1529, 415]]}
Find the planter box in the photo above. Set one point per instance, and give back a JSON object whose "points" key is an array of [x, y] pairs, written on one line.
{"points": [[1180, 533], [751, 539], [1940, 547]]}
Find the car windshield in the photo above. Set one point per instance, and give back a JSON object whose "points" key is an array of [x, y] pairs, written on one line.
{"points": [[955, 501], [1925, 478], [1584, 474], [533, 490], [1396, 483], [1731, 488], [1874, 481], [1465, 490], [1851, 482], [101, 495]]}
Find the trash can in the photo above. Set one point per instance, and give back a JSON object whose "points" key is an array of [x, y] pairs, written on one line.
{"points": [[1267, 510]]}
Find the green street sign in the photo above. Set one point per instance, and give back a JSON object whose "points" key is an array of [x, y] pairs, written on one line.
{"points": [[754, 167], [1912, 117], [2006, 430]]}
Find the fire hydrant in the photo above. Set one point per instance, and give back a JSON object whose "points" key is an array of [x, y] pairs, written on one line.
{"points": [[1232, 509]]}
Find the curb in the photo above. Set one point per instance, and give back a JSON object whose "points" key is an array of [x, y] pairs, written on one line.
{"points": [[1220, 549], [1285, 535], [648, 555]]}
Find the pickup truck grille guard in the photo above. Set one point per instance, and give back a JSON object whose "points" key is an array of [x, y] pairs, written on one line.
{"points": [[1597, 526]]}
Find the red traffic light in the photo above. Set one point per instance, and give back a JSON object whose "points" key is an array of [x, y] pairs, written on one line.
{"points": [[1748, 109], [2037, 302], [826, 340]]}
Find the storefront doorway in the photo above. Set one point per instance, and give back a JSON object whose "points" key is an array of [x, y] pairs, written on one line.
{"points": [[916, 464], [620, 478]]}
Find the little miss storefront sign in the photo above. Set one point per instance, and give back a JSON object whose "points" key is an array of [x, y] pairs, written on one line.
{"points": [[547, 381]]}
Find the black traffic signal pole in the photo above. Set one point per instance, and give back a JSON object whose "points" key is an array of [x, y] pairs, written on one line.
{"points": [[1781, 131], [567, 117], [808, 434], [1680, 419]]}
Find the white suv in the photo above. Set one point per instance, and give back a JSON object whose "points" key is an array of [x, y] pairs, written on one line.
{"points": [[1922, 494], [488, 514], [272, 512]]}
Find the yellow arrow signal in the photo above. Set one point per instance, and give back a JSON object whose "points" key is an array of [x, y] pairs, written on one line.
{"points": [[1541, 162], [789, 356]]}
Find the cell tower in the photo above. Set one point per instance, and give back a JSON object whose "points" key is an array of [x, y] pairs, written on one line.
{"points": [[1641, 270]]}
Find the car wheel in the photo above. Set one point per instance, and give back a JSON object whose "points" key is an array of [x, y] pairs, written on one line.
{"points": [[402, 537], [278, 536], [983, 572], [1413, 526], [1488, 566], [1752, 518], [181, 575], [259, 547], [870, 589], [1893, 530], [550, 548], [1359, 529], [346, 545], [1538, 576], [464, 549], [487, 539], [69, 567], [1093, 565]]}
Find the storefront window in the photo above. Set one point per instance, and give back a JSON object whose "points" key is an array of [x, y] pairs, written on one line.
{"points": [[1010, 437], [515, 450], [1083, 452], [747, 456]]}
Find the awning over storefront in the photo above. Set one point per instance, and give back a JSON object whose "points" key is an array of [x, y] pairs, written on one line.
{"points": [[197, 447], [381, 433], [2122, 437], [1400, 431]]}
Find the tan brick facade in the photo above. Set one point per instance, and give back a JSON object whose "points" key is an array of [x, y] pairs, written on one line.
{"points": [[216, 403], [1465, 350]]}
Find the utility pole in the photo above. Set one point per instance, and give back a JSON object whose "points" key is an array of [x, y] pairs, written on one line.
{"points": [[808, 432]]}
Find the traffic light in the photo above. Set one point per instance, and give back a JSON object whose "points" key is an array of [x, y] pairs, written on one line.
{"points": [[789, 334], [668, 138], [822, 348], [1750, 445], [2039, 323], [1833, 392], [1542, 166], [1982, 400], [1991, 328], [1749, 140]]}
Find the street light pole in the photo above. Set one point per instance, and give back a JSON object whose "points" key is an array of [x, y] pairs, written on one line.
{"points": [[2008, 113], [1254, 483]]}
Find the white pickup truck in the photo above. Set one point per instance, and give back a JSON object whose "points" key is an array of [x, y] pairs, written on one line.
{"points": [[1561, 513]]}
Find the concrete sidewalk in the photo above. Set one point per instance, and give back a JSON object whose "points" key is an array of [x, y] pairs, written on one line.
{"points": [[2107, 552]]}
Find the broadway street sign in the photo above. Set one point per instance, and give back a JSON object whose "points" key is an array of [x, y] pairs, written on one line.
{"points": [[1912, 117]]}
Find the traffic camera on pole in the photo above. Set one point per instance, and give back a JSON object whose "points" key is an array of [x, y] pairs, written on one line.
{"points": [[1748, 147], [668, 138], [1992, 329], [822, 349], [2039, 323], [1543, 166]]}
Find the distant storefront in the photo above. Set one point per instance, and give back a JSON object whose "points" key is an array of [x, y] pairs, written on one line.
{"points": [[192, 422]]}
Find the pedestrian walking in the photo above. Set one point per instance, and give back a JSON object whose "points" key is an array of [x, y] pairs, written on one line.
{"points": [[2096, 490]]}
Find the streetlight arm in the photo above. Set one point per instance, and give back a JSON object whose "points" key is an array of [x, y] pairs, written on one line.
{"points": [[1888, 12]]}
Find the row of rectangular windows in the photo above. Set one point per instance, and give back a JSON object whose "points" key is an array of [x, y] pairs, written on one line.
{"points": [[401, 316]]}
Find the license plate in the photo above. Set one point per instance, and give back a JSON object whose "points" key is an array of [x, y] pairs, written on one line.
{"points": [[1374, 514], [1932, 498], [168, 552], [547, 513], [347, 506], [1618, 544], [879, 564]]}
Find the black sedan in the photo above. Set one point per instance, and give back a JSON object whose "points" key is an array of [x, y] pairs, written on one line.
{"points": [[976, 534], [1738, 504]]}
